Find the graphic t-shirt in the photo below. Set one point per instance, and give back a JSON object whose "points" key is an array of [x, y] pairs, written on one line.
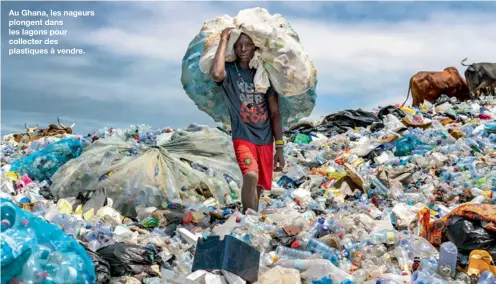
{"points": [[248, 109]]}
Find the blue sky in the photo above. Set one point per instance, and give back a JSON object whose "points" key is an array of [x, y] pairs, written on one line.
{"points": [[364, 52]]}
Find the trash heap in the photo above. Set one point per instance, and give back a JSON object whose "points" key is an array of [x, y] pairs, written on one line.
{"points": [[398, 195]]}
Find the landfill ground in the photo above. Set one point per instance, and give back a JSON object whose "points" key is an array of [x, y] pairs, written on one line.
{"points": [[398, 195]]}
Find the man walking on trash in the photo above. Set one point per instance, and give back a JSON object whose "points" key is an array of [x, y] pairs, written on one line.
{"points": [[255, 119]]}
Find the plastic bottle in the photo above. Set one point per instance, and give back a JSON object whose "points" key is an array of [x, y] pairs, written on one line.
{"points": [[422, 277], [379, 187], [318, 268], [386, 281], [306, 235], [254, 225], [389, 237], [326, 251], [447, 259], [486, 277], [323, 280], [289, 253], [402, 257], [405, 277], [428, 265]]}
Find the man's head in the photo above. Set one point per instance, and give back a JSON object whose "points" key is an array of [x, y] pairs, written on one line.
{"points": [[244, 48]]}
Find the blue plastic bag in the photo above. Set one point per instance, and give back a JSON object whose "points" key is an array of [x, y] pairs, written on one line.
{"points": [[42, 164], [35, 250], [209, 97]]}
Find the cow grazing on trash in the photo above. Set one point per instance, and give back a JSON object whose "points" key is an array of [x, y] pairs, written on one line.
{"points": [[481, 77], [430, 86]]}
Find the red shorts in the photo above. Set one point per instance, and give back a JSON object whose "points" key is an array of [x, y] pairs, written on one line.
{"points": [[256, 158]]}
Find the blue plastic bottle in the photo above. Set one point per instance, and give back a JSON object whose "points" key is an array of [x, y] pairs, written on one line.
{"points": [[487, 277]]}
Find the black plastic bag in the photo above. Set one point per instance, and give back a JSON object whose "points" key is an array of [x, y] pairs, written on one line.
{"points": [[391, 110], [127, 258], [102, 267], [469, 235], [345, 120]]}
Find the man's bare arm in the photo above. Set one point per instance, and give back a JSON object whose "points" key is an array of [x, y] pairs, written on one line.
{"points": [[275, 116], [218, 69]]}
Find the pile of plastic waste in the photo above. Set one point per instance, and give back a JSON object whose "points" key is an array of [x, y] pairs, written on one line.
{"points": [[398, 195]]}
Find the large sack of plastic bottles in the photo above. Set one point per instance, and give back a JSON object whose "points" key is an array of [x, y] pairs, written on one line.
{"points": [[280, 60], [394, 195], [135, 174]]}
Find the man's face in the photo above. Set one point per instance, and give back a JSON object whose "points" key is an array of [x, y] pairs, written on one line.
{"points": [[244, 48]]}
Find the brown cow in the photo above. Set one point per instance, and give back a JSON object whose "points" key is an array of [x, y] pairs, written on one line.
{"points": [[67, 130], [430, 86]]}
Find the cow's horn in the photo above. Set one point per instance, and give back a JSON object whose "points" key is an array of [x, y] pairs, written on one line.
{"points": [[61, 125], [26, 126], [463, 61], [36, 127], [74, 124]]}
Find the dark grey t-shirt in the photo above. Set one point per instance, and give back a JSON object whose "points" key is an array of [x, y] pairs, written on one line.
{"points": [[249, 113]]}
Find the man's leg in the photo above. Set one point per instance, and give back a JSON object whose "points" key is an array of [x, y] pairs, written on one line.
{"points": [[249, 195], [246, 155]]}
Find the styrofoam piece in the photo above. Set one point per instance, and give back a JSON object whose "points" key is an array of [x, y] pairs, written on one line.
{"points": [[189, 237], [172, 277]]}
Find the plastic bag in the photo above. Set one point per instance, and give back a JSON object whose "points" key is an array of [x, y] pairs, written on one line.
{"points": [[280, 60], [102, 267], [127, 258], [152, 176], [470, 235], [280, 275], [42, 164], [34, 250], [407, 144], [345, 120]]}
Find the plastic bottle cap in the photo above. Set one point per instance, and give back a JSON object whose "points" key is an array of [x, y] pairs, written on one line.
{"points": [[295, 244], [5, 224]]}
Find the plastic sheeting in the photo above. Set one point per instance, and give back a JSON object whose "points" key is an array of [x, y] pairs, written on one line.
{"points": [[345, 120], [280, 59], [152, 176], [42, 164]]}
